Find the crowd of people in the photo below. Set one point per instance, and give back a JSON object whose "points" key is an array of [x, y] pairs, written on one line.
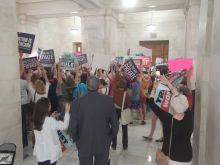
{"points": [[88, 107]]}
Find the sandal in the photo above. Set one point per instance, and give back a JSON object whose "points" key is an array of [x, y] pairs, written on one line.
{"points": [[159, 140], [147, 138]]}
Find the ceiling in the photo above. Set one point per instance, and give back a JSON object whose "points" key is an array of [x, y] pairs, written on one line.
{"points": [[64, 8]]}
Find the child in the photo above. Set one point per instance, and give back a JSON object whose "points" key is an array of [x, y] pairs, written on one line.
{"points": [[47, 147]]}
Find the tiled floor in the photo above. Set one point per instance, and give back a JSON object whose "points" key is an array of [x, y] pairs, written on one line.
{"points": [[139, 152]]}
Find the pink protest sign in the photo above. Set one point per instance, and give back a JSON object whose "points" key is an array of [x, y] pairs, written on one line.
{"points": [[77, 53], [180, 64]]}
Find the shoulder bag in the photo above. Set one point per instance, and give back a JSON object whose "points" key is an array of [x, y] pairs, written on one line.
{"points": [[126, 116]]}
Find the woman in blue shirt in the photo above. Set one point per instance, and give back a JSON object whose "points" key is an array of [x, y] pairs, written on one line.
{"points": [[81, 88]]}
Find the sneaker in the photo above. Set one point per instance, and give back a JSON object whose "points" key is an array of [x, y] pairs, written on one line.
{"points": [[113, 148], [125, 147], [147, 138]]}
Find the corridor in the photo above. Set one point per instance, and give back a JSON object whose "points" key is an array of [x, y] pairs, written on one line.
{"points": [[139, 152]]}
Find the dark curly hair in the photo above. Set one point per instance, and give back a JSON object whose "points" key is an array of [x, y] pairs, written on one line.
{"points": [[41, 110]]}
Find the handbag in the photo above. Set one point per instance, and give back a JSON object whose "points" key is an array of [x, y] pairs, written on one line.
{"points": [[161, 158], [126, 116]]}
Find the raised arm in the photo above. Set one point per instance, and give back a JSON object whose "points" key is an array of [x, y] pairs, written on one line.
{"points": [[170, 86], [29, 75], [44, 74], [55, 71], [59, 77], [61, 125], [39, 69], [22, 70]]}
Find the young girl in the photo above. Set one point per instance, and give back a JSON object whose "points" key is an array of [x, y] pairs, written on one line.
{"points": [[47, 147]]}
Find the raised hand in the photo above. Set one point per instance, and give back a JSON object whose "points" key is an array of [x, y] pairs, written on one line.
{"points": [[67, 107], [164, 80]]}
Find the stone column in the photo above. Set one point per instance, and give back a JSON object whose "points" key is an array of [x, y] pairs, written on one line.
{"points": [[206, 125], [99, 32], [10, 106], [192, 32], [122, 50]]}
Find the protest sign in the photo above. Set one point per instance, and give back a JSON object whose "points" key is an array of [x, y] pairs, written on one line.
{"points": [[118, 60], [162, 67], [146, 61], [82, 59], [159, 60], [138, 63], [141, 51], [101, 61], [176, 77], [67, 61], [30, 63], [47, 58], [65, 140], [25, 42], [180, 64], [163, 97], [130, 70]]}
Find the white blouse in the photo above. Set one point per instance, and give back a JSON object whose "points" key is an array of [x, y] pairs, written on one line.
{"points": [[47, 144]]}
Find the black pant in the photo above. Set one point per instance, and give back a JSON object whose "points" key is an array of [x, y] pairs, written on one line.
{"points": [[124, 133], [24, 110], [99, 159], [47, 163]]}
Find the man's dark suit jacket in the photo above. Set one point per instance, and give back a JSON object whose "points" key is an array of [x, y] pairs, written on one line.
{"points": [[93, 123]]}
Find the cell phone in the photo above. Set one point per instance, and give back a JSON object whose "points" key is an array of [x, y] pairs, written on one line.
{"points": [[157, 73]]}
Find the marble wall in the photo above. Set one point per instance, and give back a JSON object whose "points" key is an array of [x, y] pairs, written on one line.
{"points": [[171, 25], [52, 33], [104, 33], [207, 131], [192, 34], [10, 110]]}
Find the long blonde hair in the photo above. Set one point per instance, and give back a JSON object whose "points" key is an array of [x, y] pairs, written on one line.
{"points": [[40, 87]]}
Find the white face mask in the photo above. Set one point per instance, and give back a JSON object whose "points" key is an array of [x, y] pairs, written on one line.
{"points": [[178, 116], [179, 103]]}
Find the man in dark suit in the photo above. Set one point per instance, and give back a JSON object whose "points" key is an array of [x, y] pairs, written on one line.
{"points": [[93, 124]]}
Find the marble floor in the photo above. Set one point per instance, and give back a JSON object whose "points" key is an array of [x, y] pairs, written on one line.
{"points": [[139, 152]]}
